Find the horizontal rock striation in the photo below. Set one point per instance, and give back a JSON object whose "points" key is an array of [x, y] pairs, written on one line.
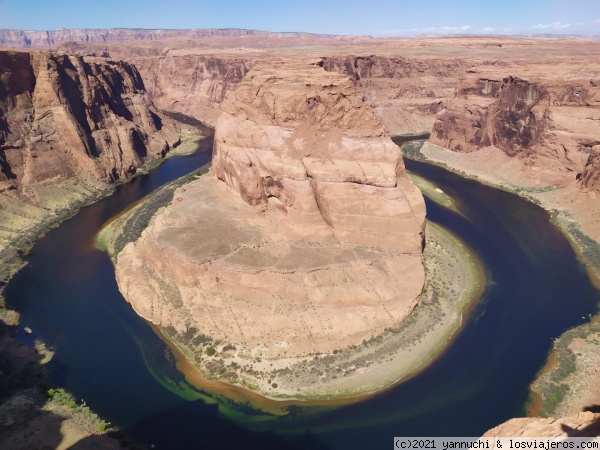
{"points": [[307, 240], [39, 39], [192, 84], [65, 116], [553, 121], [304, 141]]}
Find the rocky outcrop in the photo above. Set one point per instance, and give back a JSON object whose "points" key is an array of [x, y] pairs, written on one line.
{"points": [[513, 119], [72, 117], [590, 178], [307, 240], [191, 84], [39, 39], [554, 121], [585, 424], [69, 125], [406, 93], [307, 143]]}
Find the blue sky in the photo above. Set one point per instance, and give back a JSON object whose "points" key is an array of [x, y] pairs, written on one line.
{"points": [[373, 17]]}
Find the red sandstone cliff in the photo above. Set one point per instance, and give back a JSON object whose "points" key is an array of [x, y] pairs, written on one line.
{"points": [[191, 84], [405, 92], [68, 126], [590, 178], [547, 122], [64, 116]]}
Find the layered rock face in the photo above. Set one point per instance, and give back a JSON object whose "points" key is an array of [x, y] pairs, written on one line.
{"points": [[68, 126], [191, 84], [308, 239], [305, 142], [552, 121], [584, 424], [38, 39], [406, 93], [590, 178], [72, 117]]}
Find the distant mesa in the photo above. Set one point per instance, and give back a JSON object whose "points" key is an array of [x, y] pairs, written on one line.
{"points": [[40, 39]]}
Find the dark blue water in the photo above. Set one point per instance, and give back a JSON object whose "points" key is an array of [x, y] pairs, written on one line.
{"points": [[110, 357]]}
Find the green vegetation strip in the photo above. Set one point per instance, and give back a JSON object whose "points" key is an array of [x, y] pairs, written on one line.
{"points": [[454, 282]]}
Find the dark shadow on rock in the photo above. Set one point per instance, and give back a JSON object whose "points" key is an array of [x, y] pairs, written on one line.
{"points": [[22, 397], [590, 430], [26, 422]]}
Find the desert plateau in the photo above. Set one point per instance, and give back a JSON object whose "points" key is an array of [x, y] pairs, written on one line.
{"points": [[215, 237]]}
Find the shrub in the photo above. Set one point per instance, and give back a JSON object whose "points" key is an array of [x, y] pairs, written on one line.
{"points": [[210, 351]]}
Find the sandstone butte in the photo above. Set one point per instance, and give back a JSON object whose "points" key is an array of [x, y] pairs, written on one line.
{"points": [[308, 236]]}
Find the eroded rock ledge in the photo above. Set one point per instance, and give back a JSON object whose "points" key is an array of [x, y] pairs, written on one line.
{"points": [[69, 126], [584, 424], [548, 124], [307, 240]]}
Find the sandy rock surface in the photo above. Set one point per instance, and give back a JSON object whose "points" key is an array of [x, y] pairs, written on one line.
{"points": [[584, 424], [307, 239]]}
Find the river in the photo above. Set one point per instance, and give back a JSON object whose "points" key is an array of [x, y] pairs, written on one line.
{"points": [[107, 355]]}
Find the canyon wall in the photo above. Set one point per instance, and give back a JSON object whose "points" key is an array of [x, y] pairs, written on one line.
{"points": [[39, 39], [64, 116], [307, 240], [68, 126], [590, 178], [405, 92], [548, 123]]}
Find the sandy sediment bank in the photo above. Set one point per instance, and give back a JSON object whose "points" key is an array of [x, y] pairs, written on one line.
{"points": [[570, 381]]}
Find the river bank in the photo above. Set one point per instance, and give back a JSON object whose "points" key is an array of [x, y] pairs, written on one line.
{"points": [[454, 281], [22, 223], [26, 397], [570, 381]]}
